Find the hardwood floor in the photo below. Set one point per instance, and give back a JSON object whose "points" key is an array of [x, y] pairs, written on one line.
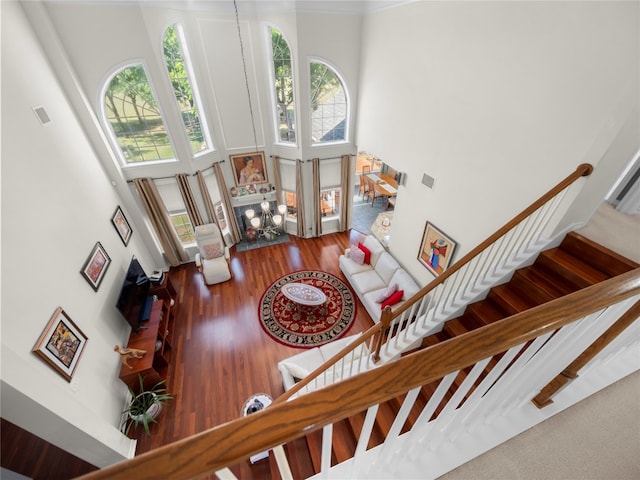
{"points": [[221, 354]]}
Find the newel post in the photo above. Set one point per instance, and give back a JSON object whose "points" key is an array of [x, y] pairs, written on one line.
{"points": [[385, 320]]}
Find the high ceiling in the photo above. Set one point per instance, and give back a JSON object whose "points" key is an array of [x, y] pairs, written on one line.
{"points": [[256, 6]]}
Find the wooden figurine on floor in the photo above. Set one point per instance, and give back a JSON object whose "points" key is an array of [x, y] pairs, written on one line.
{"points": [[128, 353]]}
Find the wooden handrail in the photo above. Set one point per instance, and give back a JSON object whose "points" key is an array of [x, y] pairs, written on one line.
{"points": [[570, 373], [232, 442]]}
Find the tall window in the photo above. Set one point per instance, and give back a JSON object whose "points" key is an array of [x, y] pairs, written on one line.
{"points": [[183, 227], [179, 69], [291, 201], [328, 105], [133, 114], [330, 203], [220, 215], [283, 81]]}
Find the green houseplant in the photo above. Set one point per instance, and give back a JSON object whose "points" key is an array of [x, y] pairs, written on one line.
{"points": [[145, 405]]}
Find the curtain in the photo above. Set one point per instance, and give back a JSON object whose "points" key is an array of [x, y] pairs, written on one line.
{"points": [[276, 179], [189, 201], [160, 221], [302, 226], [345, 221], [234, 230], [317, 213], [208, 204]]}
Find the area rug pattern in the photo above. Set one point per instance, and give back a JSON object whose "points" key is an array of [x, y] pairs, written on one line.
{"points": [[307, 327]]}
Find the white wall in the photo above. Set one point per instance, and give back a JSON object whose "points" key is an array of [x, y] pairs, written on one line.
{"points": [[496, 100], [57, 203]]}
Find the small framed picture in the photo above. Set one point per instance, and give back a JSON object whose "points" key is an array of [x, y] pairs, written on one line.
{"points": [[121, 225], [61, 344], [436, 249], [96, 266], [249, 168]]}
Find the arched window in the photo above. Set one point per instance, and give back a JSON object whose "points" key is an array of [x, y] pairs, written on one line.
{"points": [[176, 57], [285, 116], [329, 107], [132, 112]]}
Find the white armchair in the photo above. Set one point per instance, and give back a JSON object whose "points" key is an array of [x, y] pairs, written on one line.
{"points": [[212, 258]]}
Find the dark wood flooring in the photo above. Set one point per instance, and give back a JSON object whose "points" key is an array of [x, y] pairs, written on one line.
{"points": [[221, 354]]}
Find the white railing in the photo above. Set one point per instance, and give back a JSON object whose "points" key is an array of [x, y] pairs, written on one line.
{"points": [[447, 300]]}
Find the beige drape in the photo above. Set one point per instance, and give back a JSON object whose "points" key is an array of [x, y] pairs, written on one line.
{"points": [[234, 230], [208, 204], [345, 175], [159, 218], [276, 179], [302, 226], [189, 201], [317, 212]]}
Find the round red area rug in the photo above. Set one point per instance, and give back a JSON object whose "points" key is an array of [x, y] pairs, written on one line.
{"points": [[306, 326]]}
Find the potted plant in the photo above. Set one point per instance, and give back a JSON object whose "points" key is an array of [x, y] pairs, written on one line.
{"points": [[146, 405]]}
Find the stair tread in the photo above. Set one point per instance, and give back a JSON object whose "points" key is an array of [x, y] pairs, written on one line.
{"points": [[357, 422], [571, 268], [314, 442], [343, 442], [596, 255], [529, 289], [486, 311], [510, 299], [547, 281], [455, 327]]}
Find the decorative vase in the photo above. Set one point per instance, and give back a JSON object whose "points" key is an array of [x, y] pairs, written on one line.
{"points": [[251, 234], [152, 412], [233, 191]]}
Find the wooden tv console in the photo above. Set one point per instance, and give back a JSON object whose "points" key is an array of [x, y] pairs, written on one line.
{"points": [[155, 338]]}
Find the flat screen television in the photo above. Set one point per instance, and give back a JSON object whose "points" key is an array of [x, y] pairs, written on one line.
{"points": [[134, 301]]}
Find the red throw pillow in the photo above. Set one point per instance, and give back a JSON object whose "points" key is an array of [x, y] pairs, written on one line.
{"points": [[367, 253], [393, 299]]}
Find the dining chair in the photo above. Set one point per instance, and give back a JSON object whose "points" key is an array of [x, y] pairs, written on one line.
{"points": [[364, 186], [373, 192], [391, 202]]}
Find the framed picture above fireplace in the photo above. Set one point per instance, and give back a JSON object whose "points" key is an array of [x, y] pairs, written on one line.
{"points": [[249, 169]]}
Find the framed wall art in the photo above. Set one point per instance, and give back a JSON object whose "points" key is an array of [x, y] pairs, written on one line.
{"points": [[121, 225], [61, 344], [96, 266], [249, 168], [436, 249]]}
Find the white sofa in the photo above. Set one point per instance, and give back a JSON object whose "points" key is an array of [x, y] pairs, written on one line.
{"points": [[369, 280], [297, 367]]}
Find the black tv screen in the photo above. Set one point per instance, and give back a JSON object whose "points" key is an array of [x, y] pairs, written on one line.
{"points": [[134, 302]]}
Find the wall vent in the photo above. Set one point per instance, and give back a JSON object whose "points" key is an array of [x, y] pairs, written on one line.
{"points": [[42, 115], [428, 180]]}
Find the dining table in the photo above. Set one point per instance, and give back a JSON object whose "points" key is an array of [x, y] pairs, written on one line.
{"points": [[384, 185]]}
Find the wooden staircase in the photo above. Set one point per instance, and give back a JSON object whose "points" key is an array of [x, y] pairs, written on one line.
{"points": [[577, 263]]}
